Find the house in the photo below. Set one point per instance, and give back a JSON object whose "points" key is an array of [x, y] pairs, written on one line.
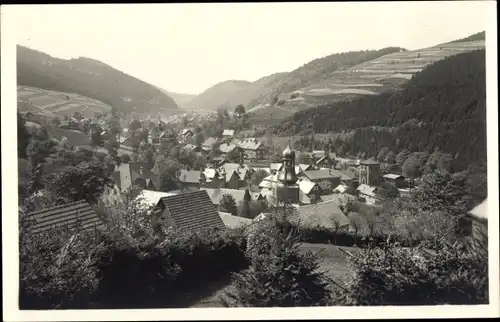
{"points": [[323, 214], [189, 180], [154, 135], [394, 180], [225, 148], [187, 211], [233, 180], [303, 167], [234, 222], [275, 167], [134, 176], [254, 149], [208, 143], [327, 179], [228, 133], [326, 162], [213, 178], [318, 154], [149, 198], [478, 219], [368, 194], [309, 192], [185, 134], [75, 215]]}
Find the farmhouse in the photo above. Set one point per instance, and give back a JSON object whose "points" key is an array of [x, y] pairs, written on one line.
{"points": [[478, 218], [233, 180], [367, 194], [77, 215], [134, 176], [189, 180], [394, 180], [208, 143], [326, 162], [309, 192], [326, 179], [228, 133], [213, 178], [253, 148], [187, 211]]}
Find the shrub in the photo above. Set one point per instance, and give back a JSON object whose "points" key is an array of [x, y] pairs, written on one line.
{"points": [[403, 276], [58, 269], [279, 277]]}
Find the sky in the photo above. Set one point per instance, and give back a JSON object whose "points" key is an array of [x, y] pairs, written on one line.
{"points": [[186, 48]]}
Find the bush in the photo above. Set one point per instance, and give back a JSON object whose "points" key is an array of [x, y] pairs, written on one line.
{"points": [[58, 269], [279, 276], [403, 276]]}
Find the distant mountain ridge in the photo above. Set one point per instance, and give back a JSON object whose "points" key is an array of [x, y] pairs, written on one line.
{"points": [[181, 99], [94, 79]]}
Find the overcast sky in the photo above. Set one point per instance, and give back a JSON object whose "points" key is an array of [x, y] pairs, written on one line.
{"points": [[187, 48]]}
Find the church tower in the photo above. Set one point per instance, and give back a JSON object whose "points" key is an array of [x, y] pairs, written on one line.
{"points": [[287, 189]]}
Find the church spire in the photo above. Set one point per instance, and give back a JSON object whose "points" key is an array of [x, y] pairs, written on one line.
{"points": [[287, 174]]}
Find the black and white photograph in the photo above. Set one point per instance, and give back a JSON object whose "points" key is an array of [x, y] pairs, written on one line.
{"points": [[210, 156]]}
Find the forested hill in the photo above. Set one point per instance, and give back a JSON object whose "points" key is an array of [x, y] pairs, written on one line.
{"points": [[478, 36], [442, 107], [91, 78]]}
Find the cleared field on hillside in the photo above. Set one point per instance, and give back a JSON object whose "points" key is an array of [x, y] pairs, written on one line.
{"points": [[75, 138], [368, 78], [51, 103]]}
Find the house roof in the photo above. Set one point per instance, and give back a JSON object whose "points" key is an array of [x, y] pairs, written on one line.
{"points": [[186, 131], [151, 197], [189, 176], [276, 166], [481, 210], [226, 148], [248, 144], [305, 185], [392, 176], [211, 173], [321, 174], [343, 176], [64, 215], [127, 174], [269, 182], [367, 190], [318, 153], [322, 214], [209, 142], [368, 162], [228, 132], [190, 147], [231, 173], [234, 221], [192, 210], [216, 194]]}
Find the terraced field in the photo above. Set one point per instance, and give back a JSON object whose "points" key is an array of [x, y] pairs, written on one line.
{"points": [[52, 104], [369, 78]]}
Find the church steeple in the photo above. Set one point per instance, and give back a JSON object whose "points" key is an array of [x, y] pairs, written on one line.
{"points": [[287, 175]]}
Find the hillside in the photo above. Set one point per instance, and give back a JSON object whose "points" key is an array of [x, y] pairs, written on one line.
{"points": [[368, 78], [181, 99], [217, 96], [443, 106], [52, 104], [93, 79]]}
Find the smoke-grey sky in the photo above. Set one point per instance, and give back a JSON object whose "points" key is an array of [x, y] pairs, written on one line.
{"points": [[187, 48]]}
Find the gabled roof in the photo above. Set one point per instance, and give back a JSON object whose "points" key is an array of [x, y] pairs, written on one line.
{"points": [[211, 173], [209, 142], [367, 190], [321, 174], [343, 176], [64, 216], [231, 173], [248, 143], [276, 166], [306, 186], [234, 221], [326, 157], [151, 197], [127, 174], [269, 182], [192, 210], [216, 194], [481, 210], [318, 153], [322, 214], [189, 176], [186, 131], [392, 176], [228, 132], [226, 148]]}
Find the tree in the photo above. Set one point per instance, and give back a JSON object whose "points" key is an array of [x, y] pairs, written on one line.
{"points": [[413, 167], [390, 158], [96, 139], [198, 139], [257, 177], [382, 154], [56, 121], [134, 125], [86, 180], [38, 151], [438, 161], [160, 165], [444, 192], [125, 158], [233, 155], [402, 156], [167, 182], [244, 207], [112, 146], [199, 163], [239, 111], [23, 137], [280, 276], [228, 204]]}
